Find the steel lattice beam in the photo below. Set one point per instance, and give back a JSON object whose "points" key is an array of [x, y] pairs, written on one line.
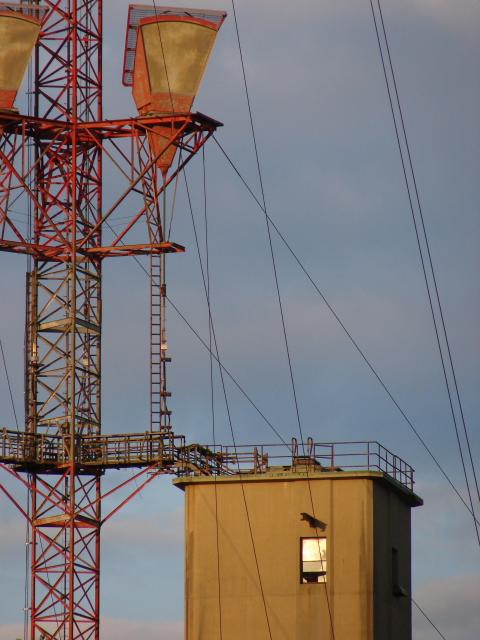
{"points": [[51, 164]]}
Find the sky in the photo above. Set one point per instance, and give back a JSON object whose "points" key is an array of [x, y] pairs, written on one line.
{"points": [[333, 184]]}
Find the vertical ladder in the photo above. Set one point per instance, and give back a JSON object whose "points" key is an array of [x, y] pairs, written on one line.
{"points": [[159, 412]]}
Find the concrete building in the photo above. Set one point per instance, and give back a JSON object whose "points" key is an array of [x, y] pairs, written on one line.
{"points": [[298, 552]]}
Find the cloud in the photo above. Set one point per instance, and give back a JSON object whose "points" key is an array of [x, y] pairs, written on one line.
{"points": [[452, 605], [11, 631], [124, 629], [12, 533], [165, 530], [117, 629], [442, 529], [449, 15]]}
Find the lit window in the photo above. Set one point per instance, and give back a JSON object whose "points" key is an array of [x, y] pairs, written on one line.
{"points": [[313, 560]]}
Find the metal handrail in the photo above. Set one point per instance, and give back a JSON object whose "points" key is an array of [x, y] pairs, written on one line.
{"points": [[170, 452]]}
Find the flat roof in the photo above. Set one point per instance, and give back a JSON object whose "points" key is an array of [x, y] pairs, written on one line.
{"points": [[275, 474]]}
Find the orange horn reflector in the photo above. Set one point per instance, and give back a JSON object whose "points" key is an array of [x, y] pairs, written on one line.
{"points": [[171, 51], [18, 35]]}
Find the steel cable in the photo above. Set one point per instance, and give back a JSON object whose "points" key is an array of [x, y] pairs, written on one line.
{"points": [[345, 330], [422, 258], [205, 345], [8, 384], [222, 368], [227, 406], [212, 397], [279, 296], [428, 619], [434, 278]]}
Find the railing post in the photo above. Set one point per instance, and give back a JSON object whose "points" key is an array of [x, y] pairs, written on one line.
{"points": [[310, 446], [294, 449]]}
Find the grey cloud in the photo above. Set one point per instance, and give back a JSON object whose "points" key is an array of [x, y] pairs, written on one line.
{"points": [[117, 629], [125, 629], [165, 530], [11, 631], [452, 604]]}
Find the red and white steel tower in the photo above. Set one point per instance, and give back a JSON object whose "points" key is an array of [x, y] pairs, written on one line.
{"points": [[51, 163]]}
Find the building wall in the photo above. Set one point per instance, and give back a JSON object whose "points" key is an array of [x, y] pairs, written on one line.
{"points": [[392, 523], [304, 611]]}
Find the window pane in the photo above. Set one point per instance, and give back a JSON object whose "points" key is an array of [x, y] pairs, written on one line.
{"points": [[313, 549], [313, 560]]}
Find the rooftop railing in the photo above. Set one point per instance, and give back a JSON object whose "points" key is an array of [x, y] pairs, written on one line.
{"points": [[170, 453], [310, 456]]}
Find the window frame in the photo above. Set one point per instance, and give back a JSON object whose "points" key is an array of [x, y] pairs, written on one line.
{"points": [[321, 579]]}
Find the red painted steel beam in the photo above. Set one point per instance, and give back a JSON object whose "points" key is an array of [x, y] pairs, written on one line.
{"points": [[59, 184]]}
